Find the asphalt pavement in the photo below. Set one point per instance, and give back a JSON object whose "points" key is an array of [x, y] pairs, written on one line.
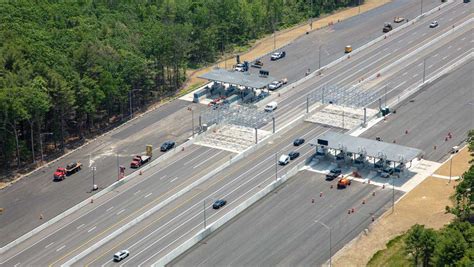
{"points": [[88, 230], [446, 106], [36, 194], [281, 229]]}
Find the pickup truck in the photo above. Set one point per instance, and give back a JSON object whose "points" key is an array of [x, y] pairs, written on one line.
{"points": [[257, 64], [334, 173], [61, 173], [138, 161]]}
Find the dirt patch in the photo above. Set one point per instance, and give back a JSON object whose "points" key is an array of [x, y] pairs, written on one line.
{"points": [[425, 204], [266, 44], [459, 165]]}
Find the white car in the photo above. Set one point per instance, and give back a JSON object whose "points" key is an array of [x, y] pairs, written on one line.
{"points": [[434, 24], [121, 255], [284, 159], [271, 106], [240, 67], [275, 85], [277, 55]]}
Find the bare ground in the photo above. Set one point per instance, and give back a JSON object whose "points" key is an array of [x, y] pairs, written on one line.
{"points": [[425, 204]]}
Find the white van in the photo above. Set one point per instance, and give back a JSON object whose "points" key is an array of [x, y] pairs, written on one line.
{"points": [[284, 159], [271, 106]]}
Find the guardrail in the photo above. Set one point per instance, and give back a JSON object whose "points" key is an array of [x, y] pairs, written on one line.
{"points": [[228, 216]]}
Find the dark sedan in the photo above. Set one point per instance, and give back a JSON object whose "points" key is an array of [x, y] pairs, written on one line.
{"points": [[218, 204], [167, 146], [294, 155], [298, 142]]}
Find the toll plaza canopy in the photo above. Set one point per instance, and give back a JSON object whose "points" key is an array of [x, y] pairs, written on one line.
{"points": [[238, 78], [371, 148]]}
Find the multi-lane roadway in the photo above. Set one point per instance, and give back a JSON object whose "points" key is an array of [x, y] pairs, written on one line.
{"points": [[101, 220]]}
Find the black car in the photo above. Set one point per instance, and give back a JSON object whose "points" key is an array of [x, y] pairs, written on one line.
{"points": [[293, 155], [298, 142], [218, 204], [333, 174], [167, 146]]}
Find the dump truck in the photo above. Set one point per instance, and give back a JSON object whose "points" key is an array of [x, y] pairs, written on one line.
{"points": [[138, 161], [343, 182], [61, 173]]}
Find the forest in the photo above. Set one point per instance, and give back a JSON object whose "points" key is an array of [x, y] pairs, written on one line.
{"points": [[71, 69]]}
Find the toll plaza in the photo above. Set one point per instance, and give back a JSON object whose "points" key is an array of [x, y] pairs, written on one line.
{"points": [[364, 157], [227, 87]]}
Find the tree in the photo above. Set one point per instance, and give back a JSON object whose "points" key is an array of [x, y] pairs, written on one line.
{"points": [[420, 244], [451, 248]]}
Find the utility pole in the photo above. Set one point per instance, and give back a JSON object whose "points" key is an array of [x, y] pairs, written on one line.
{"points": [[359, 7], [421, 7], [94, 187], [118, 167], [330, 241]]}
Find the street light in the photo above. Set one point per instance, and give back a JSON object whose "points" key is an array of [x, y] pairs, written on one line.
{"points": [[41, 145], [421, 6], [192, 118], [330, 241], [94, 186]]}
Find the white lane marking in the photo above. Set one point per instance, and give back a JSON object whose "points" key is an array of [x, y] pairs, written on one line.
{"points": [[163, 177], [194, 167], [120, 212], [215, 214], [451, 19], [445, 57], [385, 49], [411, 41], [414, 33], [80, 226], [415, 75], [430, 66], [107, 210], [459, 48], [149, 194], [435, 55], [174, 179], [450, 46], [424, 34], [405, 73], [137, 192], [314, 132], [92, 229], [50, 244], [18, 264], [421, 64], [60, 248], [464, 38], [399, 41]]}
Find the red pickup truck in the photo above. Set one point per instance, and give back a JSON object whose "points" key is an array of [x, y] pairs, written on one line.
{"points": [[138, 161], [61, 173]]}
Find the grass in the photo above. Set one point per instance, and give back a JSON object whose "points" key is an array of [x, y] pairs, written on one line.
{"points": [[393, 256]]}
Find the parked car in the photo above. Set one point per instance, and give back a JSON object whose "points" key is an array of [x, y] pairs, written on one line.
{"points": [[387, 27], [219, 204], [398, 19], [386, 172], [284, 159], [121, 255], [257, 64], [278, 55], [275, 85], [434, 24], [167, 146], [293, 155], [334, 173], [298, 141]]}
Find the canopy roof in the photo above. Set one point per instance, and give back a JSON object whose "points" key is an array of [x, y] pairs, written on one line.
{"points": [[238, 78]]}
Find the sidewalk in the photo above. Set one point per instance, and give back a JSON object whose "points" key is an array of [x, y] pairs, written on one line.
{"points": [[423, 205], [265, 45]]}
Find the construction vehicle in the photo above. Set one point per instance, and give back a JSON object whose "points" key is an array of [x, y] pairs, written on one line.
{"points": [[343, 182], [61, 173], [138, 161]]}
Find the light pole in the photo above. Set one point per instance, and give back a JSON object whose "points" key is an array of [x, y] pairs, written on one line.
{"points": [[421, 7], [424, 69], [330, 241], [192, 118], [118, 167], [41, 145], [450, 166], [319, 56], [359, 7], [94, 186], [204, 211]]}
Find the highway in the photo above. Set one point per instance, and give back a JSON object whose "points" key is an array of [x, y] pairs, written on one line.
{"points": [[23, 202], [280, 230], [284, 220], [96, 224]]}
